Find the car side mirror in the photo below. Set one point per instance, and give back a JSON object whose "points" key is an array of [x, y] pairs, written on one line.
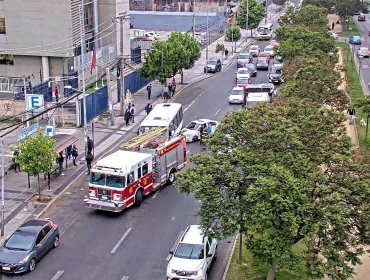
{"points": [[171, 252], [209, 255]]}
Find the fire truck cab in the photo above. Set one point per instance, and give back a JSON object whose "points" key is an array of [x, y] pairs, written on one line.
{"points": [[123, 178]]}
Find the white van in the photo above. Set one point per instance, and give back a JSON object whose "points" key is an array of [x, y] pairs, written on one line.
{"points": [[255, 98]]}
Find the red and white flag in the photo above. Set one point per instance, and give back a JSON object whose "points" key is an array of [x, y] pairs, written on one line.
{"points": [[93, 60]]}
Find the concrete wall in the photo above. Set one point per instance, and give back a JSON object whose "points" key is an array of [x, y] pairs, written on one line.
{"points": [[15, 106]]}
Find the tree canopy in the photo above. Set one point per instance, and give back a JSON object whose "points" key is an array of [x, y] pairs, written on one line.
{"points": [[256, 12], [37, 155], [166, 58]]}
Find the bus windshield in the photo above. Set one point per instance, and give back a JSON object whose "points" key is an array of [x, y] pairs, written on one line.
{"points": [[263, 30]]}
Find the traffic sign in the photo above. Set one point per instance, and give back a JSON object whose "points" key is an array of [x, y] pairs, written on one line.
{"points": [[35, 102], [49, 130], [27, 131]]}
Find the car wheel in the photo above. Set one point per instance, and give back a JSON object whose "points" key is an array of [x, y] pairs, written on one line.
{"points": [[171, 177], [56, 241], [195, 139], [32, 265], [138, 198]]}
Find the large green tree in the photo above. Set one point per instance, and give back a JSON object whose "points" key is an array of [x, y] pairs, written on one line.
{"points": [[307, 189], [37, 155], [297, 41], [256, 12], [167, 58], [318, 83]]}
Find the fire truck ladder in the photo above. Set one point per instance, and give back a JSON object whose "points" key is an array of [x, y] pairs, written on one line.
{"points": [[141, 139]]}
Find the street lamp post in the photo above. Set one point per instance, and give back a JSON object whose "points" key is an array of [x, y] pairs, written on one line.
{"points": [[2, 186], [207, 44], [247, 22]]}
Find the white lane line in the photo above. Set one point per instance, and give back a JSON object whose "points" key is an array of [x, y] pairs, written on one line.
{"points": [[189, 105], [218, 111], [174, 245], [57, 275], [121, 240], [70, 224], [155, 195], [124, 277]]}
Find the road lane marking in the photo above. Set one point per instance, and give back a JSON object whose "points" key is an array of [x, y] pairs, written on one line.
{"points": [[124, 277], [174, 245], [218, 111], [57, 275], [70, 224], [189, 105], [121, 240], [155, 195]]}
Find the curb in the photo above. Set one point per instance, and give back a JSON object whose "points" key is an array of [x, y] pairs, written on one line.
{"points": [[229, 260]]}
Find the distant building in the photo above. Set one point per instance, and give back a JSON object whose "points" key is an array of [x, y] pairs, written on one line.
{"points": [[41, 39]]}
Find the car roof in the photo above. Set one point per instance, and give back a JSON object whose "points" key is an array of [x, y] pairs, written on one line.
{"points": [[193, 235], [253, 46], [269, 46], [238, 88], [243, 68], [33, 226]]}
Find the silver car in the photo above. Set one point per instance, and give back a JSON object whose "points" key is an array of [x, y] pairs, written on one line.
{"points": [[27, 245]]}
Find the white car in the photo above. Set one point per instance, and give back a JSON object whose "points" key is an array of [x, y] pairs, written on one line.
{"points": [[242, 73], [334, 35], [254, 50], [149, 36], [363, 51], [270, 50], [192, 256], [192, 130], [153, 34], [236, 96]]}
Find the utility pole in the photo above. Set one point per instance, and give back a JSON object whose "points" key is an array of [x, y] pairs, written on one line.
{"points": [[247, 21], [110, 103], [207, 43], [122, 84], [82, 27], [193, 19], [2, 186]]}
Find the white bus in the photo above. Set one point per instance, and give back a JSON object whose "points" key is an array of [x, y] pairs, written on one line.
{"points": [[164, 115], [264, 31]]}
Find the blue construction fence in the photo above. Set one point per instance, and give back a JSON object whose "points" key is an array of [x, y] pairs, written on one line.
{"points": [[133, 82], [71, 81], [96, 104], [43, 89]]}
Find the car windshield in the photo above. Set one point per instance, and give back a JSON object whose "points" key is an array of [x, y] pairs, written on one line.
{"points": [[356, 38], [268, 49], [20, 241], [275, 70], [250, 67], [243, 71], [263, 54], [364, 49], [261, 61], [190, 251], [254, 48], [193, 126], [243, 56], [237, 92], [212, 62], [243, 81], [97, 178], [115, 181]]}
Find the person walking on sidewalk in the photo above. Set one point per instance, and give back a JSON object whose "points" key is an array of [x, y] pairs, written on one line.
{"points": [[132, 113], [173, 86], [351, 114], [90, 145], [169, 90], [15, 160], [74, 154], [149, 89], [147, 109], [69, 152], [226, 53], [60, 162], [127, 116], [89, 160], [165, 93]]}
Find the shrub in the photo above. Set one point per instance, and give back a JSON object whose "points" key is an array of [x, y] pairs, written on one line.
{"points": [[233, 33]]}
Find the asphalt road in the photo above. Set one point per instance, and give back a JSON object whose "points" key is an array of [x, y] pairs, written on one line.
{"points": [[134, 245]]}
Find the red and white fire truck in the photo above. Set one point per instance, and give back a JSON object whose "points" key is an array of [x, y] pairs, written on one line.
{"points": [[144, 163]]}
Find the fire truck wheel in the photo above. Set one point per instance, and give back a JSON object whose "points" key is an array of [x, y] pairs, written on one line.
{"points": [[171, 177], [138, 198]]}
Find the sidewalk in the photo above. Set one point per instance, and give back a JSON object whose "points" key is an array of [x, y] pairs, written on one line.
{"points": [[21, 202]]}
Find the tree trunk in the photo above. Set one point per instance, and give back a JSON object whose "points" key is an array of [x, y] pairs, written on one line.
{"points": [[182, 76], [38, 186], [272, 271]]}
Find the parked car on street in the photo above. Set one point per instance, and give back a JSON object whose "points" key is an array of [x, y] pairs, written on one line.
{"points": [[262, 64], [254, 50], [270, 50], [236, 95], [27, 245], [192, 130], [192, 256], [276, 75], [213, 65], [243, 59], [361, 17], [152, 34], [363, 51], [355, 40]]}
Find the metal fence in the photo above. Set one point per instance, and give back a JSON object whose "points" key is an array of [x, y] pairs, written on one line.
{"points": [[96, 104], [133, 82], [43, 89]]}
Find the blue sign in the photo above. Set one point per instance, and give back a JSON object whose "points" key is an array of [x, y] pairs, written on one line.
{"points": [[27, 131], [35, 102], [49, 131]]}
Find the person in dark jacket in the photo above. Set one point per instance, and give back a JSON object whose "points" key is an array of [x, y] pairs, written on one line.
{"points": [[90, 145], [15, 160], [127, 116], [169, 86], [74, 154], [60, 162], [89, 160], [149, 89], [69, 152]]}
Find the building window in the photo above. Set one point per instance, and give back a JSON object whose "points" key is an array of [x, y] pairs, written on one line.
{"points": [[87, 16], [2, 26], [6, 59]]}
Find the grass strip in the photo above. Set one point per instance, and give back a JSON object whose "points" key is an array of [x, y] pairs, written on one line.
{"points": [[355, 91], [352, 29]]}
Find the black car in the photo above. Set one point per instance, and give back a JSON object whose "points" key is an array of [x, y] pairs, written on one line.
{"points": [[213, 65], [262, 64], [27, 245], [276, 75], [251, 69]]}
